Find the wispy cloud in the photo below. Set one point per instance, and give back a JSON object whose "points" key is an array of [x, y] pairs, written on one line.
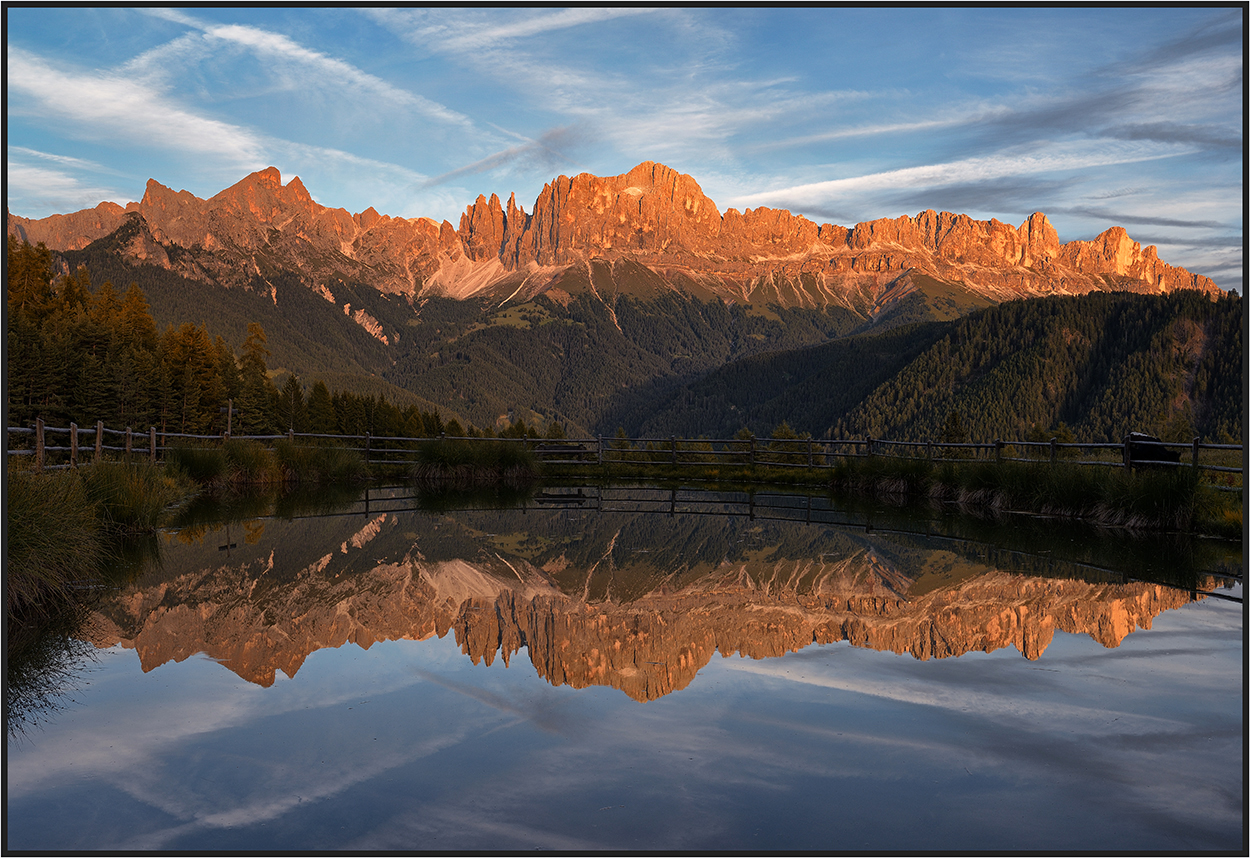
{"points": [[1052, 159], [548, 151], [547, 711], [43, 188], [1128, 218], [329, 157], [1014, 194], [478, 31], [1211, 136], [1218, 34], [96, 104], [688, 103], [859, 131], [63, 160], [324, 71]]}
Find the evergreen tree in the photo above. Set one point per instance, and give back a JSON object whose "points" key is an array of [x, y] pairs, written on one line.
{"points": [[137, 327], [322, 419], [292, 413]]}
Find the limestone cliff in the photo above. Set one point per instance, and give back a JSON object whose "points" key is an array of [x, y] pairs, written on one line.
{"points": [[651, 225]]}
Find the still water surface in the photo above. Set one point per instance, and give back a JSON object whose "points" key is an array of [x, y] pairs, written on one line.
{"points": [[646, 669]]}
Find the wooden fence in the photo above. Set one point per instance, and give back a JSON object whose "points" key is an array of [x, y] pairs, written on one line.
{"points": [[794, 453]]}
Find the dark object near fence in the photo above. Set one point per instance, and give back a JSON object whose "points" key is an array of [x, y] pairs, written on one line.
{"points": [[1147, 451]]}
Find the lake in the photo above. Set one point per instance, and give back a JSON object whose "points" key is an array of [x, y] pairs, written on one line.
{"points": [[585, 668]]}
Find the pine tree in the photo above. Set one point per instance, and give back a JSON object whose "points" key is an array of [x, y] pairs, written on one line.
{"points": [[322, 419], [292, 413]]}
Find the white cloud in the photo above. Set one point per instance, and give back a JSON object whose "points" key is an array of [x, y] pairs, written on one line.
{"points": [[323, 71], [329, 70], [43, 189], [1050, 159], [857, 131], [101, 105], [65, 160], [479, 32], [322, 156]]}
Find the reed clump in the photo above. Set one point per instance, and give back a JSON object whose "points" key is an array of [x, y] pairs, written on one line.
{"points": [[250, 462], [63, 524], [201, 463], [1169, 499], [318, 462], [130, 497], [461, 463], [239, 462], [879, 475], [53, 540]]}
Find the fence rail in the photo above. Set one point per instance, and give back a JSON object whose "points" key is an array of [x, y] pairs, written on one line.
{"points": [[1132, 452]]}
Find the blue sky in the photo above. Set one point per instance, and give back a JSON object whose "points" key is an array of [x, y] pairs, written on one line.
{"points": [[1098, 117]]}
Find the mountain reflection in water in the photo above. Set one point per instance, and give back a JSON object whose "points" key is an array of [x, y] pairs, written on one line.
{"points": [[636, 590]]}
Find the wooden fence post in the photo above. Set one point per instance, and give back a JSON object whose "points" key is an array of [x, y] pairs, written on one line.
{"points": [[38, 445], [129, 442], [1128, 455], [368, 438], [99, 440], [1054, 449], [152, 444], [1194, 464], [928, 448], [809, 461], [672, 440], [753, 450], [998, 451], [229, 417], [73, 445], [868, 440], [599, 448]]}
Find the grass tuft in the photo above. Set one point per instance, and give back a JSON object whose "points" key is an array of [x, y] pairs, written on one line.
{"points": [[200, 463], [249, 462], [318, 463], [130, 497], [53, 539], [467, 463]]}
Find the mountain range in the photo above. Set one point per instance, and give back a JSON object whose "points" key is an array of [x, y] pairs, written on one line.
{"points": [[609, 290], [636, 601], [585, 231]]}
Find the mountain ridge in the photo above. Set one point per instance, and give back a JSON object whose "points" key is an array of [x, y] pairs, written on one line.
{"points": [[493, 319], [652, 216]]}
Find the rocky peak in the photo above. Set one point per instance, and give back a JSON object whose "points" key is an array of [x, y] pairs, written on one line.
{"points": [[297, 193], [1040, 240], [367, 218], [482, 228], [261, 196], [651, 216], [68, 231]]}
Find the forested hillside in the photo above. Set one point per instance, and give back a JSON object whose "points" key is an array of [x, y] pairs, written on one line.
{"points": [[307, 334], [808, 388], [658, 364], [546, 360], [82, 355], [566, 359], [1103, 364]]}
